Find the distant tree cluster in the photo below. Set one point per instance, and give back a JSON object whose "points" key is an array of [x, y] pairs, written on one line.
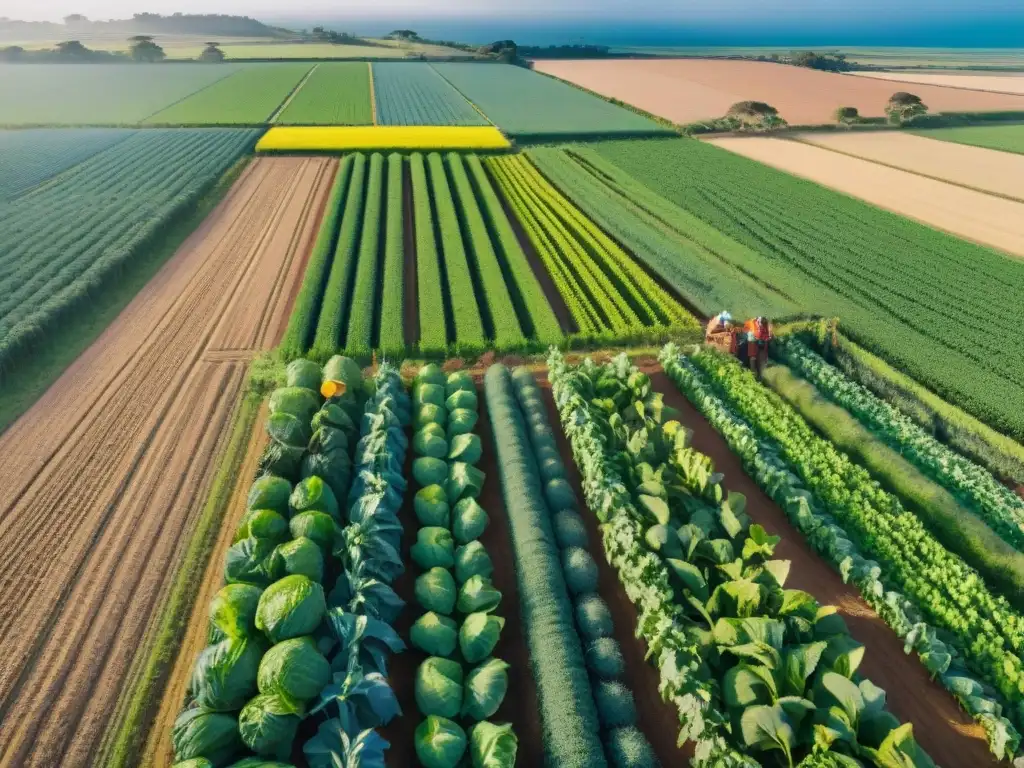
{"points": [[904, 106], [564, 51], [826, 62], [755, 114], [322, 35]]}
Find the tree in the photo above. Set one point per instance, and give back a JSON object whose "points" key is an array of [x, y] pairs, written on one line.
{"points": [[75, 18], [847, 115], [902, 106], [404, 34], [755, 114], [144, 49], [11, 53], [212, 53], [72, 48]]}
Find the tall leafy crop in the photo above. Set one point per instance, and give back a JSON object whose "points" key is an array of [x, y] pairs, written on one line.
{"points": [[468, 325], [1002, 509], [364, 307], [501, 313], [564, 694], [392, 317], [535, 313], [335, 306], [862, 518], [936, 307], [668, 523], [429, 283]]}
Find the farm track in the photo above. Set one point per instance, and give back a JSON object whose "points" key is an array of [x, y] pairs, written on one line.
{"points": [[107, 472], [946, 733], [158, 752], [976, 216]]}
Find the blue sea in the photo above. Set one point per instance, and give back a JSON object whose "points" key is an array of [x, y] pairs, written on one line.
{"points": [[936, 30]]}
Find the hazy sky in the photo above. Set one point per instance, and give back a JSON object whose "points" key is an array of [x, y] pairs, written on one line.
{"points": [[697, 10]]}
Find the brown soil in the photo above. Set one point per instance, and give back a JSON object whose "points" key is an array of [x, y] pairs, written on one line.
{"points": [[973, 215], [657, 719], [411, 302], [107, 473], [520, 705], [565, 319], [688, 90], [946, 732], [158, 748]]}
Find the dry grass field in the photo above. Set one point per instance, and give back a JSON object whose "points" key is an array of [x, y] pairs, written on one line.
{"points": [[688, 90], [976, 216]]}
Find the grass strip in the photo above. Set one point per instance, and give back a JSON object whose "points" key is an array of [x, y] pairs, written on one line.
{"points": [[128, 736]]}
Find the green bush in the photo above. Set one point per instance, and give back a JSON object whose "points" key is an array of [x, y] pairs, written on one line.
{"points": [[615, 704], [604, 658], [580, 570], [593, 618], [570, 530], [628, 748]]}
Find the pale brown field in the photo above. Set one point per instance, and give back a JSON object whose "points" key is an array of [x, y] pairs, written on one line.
{"points": [[688, 90], [975, 82], [986, 170], [107, 472], [975, 216]]}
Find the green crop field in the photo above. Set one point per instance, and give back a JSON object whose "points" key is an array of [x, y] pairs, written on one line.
{"points": [[922, 299], [415, 94], [67, 240], [112, 94], [30, 157], [250, 96], [333, 94], [524, 103], [1006, 138]]}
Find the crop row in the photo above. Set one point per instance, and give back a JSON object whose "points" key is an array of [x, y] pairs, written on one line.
{"points": [[848, 518], [64, 242], [920, 298], [285, 646], [681, 250], [334, 93], [408, 93], [607, 292], [689, 556], [625, 744], [1002, 509], [474, 281], [461, 683]]}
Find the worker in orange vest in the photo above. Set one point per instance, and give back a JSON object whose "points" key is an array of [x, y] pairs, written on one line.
{"points": [[759, 334]]}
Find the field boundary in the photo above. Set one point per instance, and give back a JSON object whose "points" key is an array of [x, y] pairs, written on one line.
{"points": [[144, 120], [468, 100], [373, 95], [288, 99]]}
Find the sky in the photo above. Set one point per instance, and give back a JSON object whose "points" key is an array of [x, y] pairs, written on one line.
{"points": [[692, 10]]}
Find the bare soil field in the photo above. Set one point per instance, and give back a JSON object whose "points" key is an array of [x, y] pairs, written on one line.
{"points": [[689, 90], [947, 733], [1002, 83], [975, 216], [106, 474], [985, 170]]}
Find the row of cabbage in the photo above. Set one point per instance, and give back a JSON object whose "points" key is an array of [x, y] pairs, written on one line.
{"points": [[625, 744], [460, 684], [760, 674], [918, 588], [973, 485], [283, 648]]}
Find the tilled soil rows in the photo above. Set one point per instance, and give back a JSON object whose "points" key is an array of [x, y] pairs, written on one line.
{"points": [[106, 474]]}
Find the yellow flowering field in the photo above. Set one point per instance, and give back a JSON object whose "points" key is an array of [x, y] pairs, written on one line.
{"points": [[351, 138]]}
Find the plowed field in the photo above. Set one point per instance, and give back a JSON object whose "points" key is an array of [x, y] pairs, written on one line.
{"points": [[688, 90], [976, 216], [105, 475]]}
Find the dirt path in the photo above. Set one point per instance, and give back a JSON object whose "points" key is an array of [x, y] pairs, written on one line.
{"points": [[520, 705], [657, 719], [984, 170], [946, 732], [158, 747], [975, 216], [108, 471]]}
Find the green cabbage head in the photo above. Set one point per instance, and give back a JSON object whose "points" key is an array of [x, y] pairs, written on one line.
{"points": [[439, 687], [439, 742]]}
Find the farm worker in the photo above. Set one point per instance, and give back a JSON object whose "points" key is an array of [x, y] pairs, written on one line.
{"points": [[718, 324], [759, 334]]}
